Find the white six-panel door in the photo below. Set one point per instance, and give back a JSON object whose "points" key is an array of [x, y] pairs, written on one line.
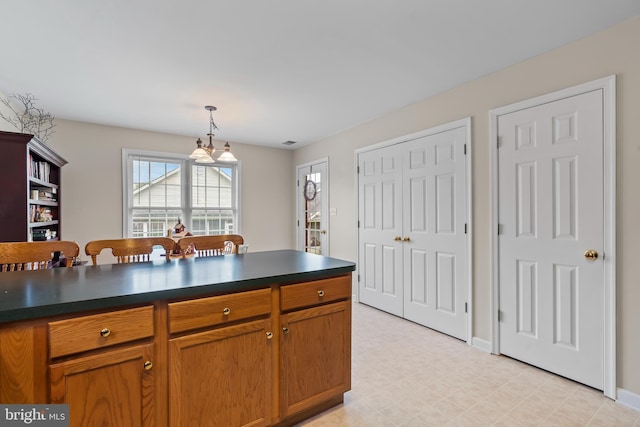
{"points": [[434, 218], [412, 204], [380, 229], [550, 178]]}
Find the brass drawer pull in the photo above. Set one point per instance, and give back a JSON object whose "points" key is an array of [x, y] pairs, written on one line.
{"points": [[285, 330], [269, 335], [320, 293], [226, 311], [105, 332], [148, 365]]}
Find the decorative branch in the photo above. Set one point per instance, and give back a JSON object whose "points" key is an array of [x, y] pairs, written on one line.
{"points": [[32, 120]]}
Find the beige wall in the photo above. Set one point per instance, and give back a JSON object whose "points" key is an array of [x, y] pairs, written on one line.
{"points": [[614, 51], [92, 183]]}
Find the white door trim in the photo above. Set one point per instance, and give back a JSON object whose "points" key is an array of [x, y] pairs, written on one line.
{"points": [[608, 87], [466, 122]]}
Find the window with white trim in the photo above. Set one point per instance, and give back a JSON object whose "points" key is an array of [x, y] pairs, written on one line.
{"points": [[161, 189]]}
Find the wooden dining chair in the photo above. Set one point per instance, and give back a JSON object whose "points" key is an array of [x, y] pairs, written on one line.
{"points": [[203, 246], [18, 256], [136, 249]]}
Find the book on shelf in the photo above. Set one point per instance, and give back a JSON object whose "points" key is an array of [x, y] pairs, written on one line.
{"points": [[43, 193], [40, 234], [47, 195], [39, 170], [41, 214]]}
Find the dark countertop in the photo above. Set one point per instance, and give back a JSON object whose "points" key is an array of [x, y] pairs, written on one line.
{"points": [[42, 293]]}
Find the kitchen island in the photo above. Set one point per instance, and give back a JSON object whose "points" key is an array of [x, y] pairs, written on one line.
{"points": [[261, 338]]}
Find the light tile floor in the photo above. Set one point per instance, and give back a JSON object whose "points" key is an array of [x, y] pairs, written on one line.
{"points": [[404, 374]]}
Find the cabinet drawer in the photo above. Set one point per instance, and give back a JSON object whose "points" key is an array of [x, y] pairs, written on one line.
{"points": [[203, 312], [99, 330], [313, 293]]}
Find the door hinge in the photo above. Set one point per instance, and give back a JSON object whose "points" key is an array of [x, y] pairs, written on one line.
{"points": [[465, 228], [465, 307], [358, 278], [499, 142], [465, 149], [358, 223], [297, 182], [500, 229], [358, 170], [298, 223], [499, 316]]}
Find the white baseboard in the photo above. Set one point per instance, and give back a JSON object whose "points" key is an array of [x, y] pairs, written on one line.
{"points": [[481, 344], [628, 399]]}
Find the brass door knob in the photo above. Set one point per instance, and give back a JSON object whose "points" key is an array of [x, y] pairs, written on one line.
{"points": [[323, 231], [148, 365], [397, 238], [591, 254], [105, 332], [406, 239]]}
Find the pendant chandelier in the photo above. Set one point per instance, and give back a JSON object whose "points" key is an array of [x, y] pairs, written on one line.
{"points": [[204, 154]]}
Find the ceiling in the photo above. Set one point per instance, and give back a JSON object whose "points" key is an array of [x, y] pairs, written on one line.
{"points": [[277, 70]]}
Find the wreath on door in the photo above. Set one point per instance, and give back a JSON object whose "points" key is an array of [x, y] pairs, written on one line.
{"points": [[309, 190]]}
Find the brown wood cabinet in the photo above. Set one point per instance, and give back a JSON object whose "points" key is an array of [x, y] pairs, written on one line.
{"points": [[270, 356], [316, 344], [30, 175], [84, 333], [114, 388], [221, 376]]}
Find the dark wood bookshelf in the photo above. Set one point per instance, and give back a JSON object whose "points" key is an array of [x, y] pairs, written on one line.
{"points": [[28, 167]]}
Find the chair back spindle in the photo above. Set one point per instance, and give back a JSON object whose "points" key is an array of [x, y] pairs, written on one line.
{"points": [[206, 246], [19, 256], [130, 250]]}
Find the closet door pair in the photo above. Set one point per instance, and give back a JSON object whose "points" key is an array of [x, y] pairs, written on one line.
{"points": [[412, 239]]}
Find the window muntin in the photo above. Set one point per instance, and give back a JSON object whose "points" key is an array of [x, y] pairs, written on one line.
{"points": [[162, 189], [312, 216]]}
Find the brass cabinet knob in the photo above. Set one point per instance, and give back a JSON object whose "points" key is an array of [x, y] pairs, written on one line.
{"points": [[406, 239], [269, 335], [226, 311], [148, 365], [285, 330], [105, 332], [397, 238], [323, 232], [591, 254], [320, 293]]}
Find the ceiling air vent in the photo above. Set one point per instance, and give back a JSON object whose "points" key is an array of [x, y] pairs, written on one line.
{"points": [[289, 142]]}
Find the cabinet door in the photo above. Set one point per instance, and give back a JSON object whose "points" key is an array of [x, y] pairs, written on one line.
{"points": [[221, 377], [316, 356], [114, 388]]}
